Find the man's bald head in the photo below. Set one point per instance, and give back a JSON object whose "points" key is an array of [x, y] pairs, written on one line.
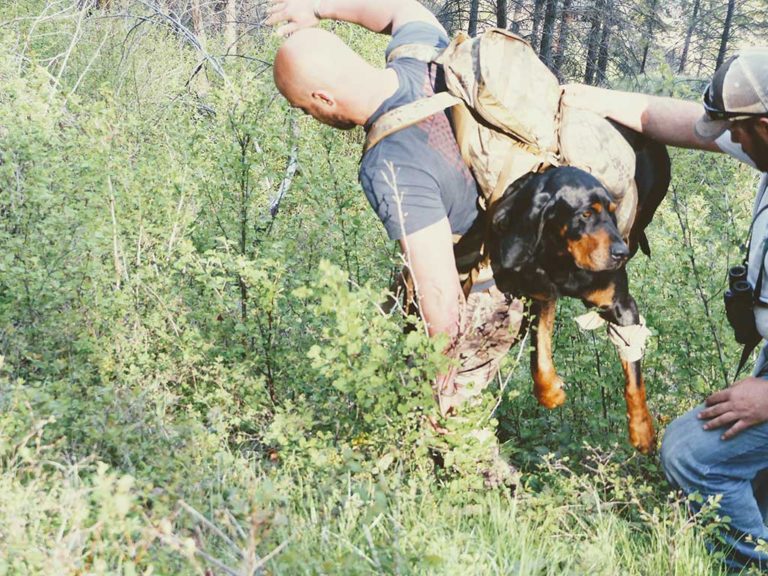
{"points": [[316, 71]]}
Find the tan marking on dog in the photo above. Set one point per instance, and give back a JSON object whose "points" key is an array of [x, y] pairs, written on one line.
{"points": [[612, 207], [597, 207], [603, 297], [591, 251], [547, 385], [640, 423]]}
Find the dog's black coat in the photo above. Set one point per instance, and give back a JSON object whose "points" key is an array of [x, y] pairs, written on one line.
{"points": [[529, 254]]}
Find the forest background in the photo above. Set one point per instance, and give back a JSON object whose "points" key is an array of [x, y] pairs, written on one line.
{"points": [[196, 375]]}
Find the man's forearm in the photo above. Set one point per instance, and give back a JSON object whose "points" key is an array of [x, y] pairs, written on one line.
{"points": [[667, 120], [377, 15]]}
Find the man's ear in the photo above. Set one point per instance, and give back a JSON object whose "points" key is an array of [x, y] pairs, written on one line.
{"points": [[325, 97], [762, 127]]}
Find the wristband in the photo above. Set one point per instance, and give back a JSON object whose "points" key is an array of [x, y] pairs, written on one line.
{"points": [[316, 9]]}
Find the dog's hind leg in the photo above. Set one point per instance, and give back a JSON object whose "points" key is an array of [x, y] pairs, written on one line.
{"points": [[547, 385]]}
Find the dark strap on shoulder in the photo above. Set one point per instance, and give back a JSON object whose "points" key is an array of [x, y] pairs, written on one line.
{"points": [[407, 115], [756, 291]]}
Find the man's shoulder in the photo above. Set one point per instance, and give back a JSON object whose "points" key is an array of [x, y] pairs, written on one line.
{"points": [[418, 32]]}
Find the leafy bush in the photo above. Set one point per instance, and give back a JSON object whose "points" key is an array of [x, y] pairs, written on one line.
{"points": [[194, 380]]}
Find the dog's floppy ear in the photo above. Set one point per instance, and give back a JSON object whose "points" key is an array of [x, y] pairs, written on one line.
{"points": [[518, 220]]}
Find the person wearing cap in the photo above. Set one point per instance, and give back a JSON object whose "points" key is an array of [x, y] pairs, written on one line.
{"points": [[415, 179], [721, 446]]}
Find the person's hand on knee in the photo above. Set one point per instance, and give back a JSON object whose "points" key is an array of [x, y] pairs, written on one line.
{"points": [[742, 405]]}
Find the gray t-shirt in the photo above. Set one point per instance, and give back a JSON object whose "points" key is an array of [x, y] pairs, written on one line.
{"points": [[420, 165], [759, 214]]}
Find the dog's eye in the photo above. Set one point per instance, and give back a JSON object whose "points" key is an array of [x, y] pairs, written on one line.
{"points": [[587, 214]]}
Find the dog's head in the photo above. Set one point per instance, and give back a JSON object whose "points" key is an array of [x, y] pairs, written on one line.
{"points": [[561, 211]]}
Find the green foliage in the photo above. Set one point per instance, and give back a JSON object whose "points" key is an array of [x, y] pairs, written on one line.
{"points": [[190, 380]]}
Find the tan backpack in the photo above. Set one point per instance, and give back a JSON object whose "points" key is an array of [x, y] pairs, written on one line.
{"points": [[509, 120]]}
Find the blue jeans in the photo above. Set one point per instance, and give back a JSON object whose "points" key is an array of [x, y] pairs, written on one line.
{"points": [[696, 460]]}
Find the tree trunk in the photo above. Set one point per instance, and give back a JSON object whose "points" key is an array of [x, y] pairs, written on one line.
{"points": [[562, 39], [230, 26], [650, 24], [605, 40], [726, 33], [593, 42], [538, 9], [515, 27], [197, 21], [688, 34], [474, 7], [199, 29], [501, 14], [547, 33]]}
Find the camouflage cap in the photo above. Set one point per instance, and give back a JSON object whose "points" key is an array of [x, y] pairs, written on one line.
{"points": [[738, 90]]}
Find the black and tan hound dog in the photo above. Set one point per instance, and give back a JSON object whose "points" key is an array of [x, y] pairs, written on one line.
{"points": [[555, 234]]}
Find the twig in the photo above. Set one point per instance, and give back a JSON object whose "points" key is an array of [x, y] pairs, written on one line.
{"points": [[90, 63], [261, 563], [175, 228], [699, 285], [39, 20], [503, 387], [188, 36], [391, 180], [236, 524], [176, 543], [216, 530], [121, 269], [75, 39], [290, 171]]}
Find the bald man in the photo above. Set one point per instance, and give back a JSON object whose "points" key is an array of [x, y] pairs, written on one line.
{"points": [[415, 179]]}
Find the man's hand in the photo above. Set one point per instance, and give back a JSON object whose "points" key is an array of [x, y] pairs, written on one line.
{"points": [[296, 14], [376, 15], [742, 405]]}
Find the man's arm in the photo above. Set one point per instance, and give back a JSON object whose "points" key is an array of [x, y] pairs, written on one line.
{"points": [[667, 120], [377, 15], [429, 255]]}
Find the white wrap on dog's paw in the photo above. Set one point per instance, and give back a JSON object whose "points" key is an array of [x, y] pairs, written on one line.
{"points": [[630, 340]]}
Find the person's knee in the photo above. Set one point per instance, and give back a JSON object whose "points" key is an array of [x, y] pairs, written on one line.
{"points": [[683, 455], [673, 455]]}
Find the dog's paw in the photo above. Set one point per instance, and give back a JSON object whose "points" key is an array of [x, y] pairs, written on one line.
{"points": [[642, 435], [549, 391]]}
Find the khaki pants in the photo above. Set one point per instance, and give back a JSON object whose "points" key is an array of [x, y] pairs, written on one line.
{"points": [[490, 325]]}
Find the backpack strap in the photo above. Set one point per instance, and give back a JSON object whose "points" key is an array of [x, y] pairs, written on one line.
{"points": [[423, 52], [416, 111], [407, 115]]}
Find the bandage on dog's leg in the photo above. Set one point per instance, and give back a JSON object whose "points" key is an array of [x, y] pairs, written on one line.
{"points": [[547, 385], [641, 432]]}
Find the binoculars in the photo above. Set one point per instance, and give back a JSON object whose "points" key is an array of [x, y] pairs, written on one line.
{"points": [[739, 301]]}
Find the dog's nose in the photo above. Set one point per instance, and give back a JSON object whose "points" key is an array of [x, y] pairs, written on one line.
{"points": [[619, 251]]}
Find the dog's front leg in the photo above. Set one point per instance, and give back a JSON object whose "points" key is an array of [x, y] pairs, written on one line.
{"points": [[641, 432], [547, 385], [620, 309]]}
